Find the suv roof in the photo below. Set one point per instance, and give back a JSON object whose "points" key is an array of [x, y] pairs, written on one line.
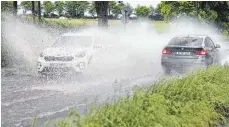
{"points": [[86, 34]]}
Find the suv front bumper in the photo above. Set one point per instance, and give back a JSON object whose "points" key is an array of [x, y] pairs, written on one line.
{"points": [[55, 67]]}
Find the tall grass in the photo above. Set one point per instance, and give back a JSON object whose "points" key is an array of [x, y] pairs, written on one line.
{"points": [[200, 99]]}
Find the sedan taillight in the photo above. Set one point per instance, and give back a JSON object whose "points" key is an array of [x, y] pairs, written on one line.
{"points": [[166, 51], [201, 52]]}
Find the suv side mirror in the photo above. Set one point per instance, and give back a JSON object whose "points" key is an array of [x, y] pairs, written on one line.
{"points": [[217, 46]]}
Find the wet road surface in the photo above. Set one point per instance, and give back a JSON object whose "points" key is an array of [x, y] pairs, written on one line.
{"points": [[114, 71], [25, 96]]}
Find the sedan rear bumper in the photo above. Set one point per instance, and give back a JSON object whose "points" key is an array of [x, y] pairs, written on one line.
{"points": [[183, 64]]}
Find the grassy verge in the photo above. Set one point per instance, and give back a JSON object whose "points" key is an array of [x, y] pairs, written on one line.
{"points": [[160, 26], [197, 100]]}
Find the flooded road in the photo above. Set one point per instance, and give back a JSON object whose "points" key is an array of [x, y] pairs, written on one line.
{"points": [[115, 69], [25, 96]]}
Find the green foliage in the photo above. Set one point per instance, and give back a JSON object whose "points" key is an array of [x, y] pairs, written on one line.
{"points": [[111, 6], [76, 8], [59, 7], [7, 6], [200, 99], [142, 11], [151, 8], [26, 5], [209, 11], [129, 8], [48, 7], [207, 16], [91, 9], [117, 9]]}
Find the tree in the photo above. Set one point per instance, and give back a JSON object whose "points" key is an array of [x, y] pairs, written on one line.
{"points": [[101, 10], [76, 8], [111, 6], [33, 13], [117, 9], [59, 7], [129, 8], [7, 6], [48, 7], [151, 9], [91, 9], [39, 11], [208, 11], [155, 13], [142, 11], [15, 8], [26, 5]]}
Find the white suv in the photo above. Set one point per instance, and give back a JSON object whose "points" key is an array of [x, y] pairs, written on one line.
{"points": [[71, 52]]}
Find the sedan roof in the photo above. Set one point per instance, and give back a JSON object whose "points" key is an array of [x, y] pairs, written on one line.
{"points": [[193, 35]]}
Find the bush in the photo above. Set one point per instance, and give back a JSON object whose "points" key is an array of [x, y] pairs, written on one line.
{"points": [[199, 99]]}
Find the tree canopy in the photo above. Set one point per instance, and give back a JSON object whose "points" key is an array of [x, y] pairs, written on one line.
{"points": [[76, 8], [48, 7], [216, 12], [142, 11], [59, 7]]}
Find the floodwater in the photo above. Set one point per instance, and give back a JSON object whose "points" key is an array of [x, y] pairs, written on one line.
{"points": [[131, 57]]}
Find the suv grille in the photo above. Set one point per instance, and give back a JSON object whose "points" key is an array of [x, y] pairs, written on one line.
{"points": [[53, 58]]}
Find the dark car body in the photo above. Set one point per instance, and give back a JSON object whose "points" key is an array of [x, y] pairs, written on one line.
{"points": [[187, 52]]}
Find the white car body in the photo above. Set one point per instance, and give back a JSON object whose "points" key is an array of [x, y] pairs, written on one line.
{"points": [[60, 59]]}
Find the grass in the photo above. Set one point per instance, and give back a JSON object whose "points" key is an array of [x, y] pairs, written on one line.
{"points": [[200, 99], [160, 26]]}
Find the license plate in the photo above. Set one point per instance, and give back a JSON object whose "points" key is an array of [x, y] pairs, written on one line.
{"points": [[183, 53], [57, 65]]}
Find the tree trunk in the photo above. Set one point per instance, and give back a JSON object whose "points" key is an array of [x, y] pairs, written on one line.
{"points": [[15, 8], [109, 12], [39, 12], [101, 10], [197, 10], [33, 12]]}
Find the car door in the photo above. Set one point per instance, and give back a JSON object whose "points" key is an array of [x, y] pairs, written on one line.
{"points": [[212, 51], [209, 48], [215, 52]]}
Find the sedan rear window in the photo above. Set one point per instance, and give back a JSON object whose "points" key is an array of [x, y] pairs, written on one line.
{"points": [[186, 41]]}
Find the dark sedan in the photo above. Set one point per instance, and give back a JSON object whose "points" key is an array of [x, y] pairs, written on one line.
{"points": [[187, 52]]}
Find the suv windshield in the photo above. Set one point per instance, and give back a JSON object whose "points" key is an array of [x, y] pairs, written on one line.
{"points": [[73, 41], [186, 41]]}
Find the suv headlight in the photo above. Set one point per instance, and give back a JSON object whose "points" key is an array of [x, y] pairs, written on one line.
{"points": [[81, 54]]}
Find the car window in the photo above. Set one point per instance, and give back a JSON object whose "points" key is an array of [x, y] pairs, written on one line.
{"points": [[186, 41], [208, 43], [73, 41]]}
